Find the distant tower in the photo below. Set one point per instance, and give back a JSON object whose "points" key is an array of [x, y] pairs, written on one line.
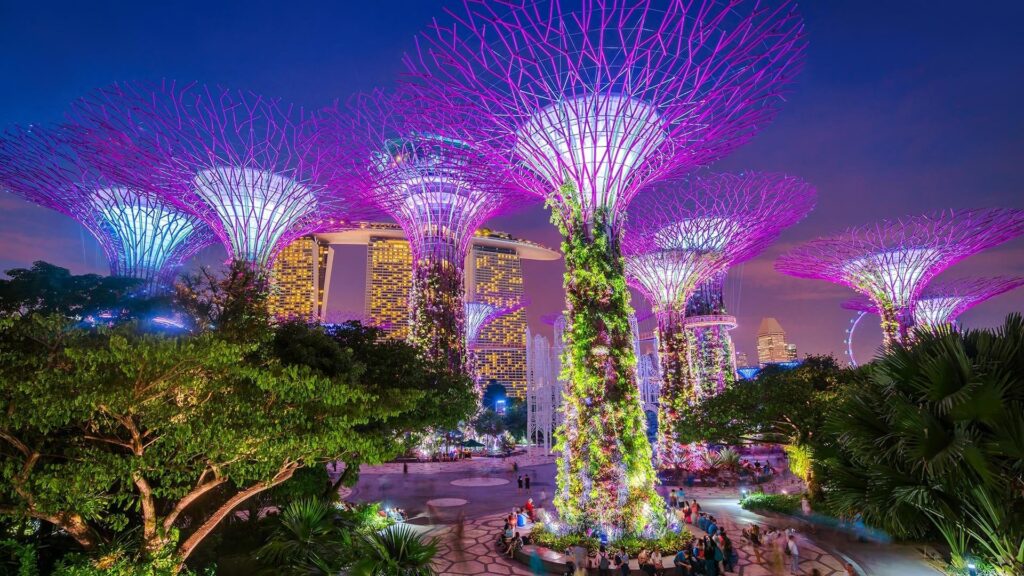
{"points": [[772, 347]]}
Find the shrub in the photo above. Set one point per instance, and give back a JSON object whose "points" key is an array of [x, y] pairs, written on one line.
{"points": [[783, 503], [668, 542]]}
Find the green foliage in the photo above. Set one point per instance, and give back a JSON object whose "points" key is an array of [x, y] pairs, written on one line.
{"points": [[438, 313], [801, 460], [118, 560], [782, 503], [781, 406], [607, 478], [48, 289], [725, 459], [305, 542], [233, 302], [488, 423], [561, 542], [396, 551], [18, 558], [933, 442], [668, 542], [108, 432]]}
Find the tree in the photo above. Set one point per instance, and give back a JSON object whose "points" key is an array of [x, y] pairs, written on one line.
{"points": [[108, 431], [234, 303], [781, 406], [49, 289], [934, 442], [488, 423]]}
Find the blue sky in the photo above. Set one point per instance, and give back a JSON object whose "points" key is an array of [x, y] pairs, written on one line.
{"points": [[903, 107]]}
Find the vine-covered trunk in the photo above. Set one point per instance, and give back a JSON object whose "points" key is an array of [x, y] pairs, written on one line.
{"points": [[605, 477], [890, 327], [677, 380], [714, 360], [437, 322]]}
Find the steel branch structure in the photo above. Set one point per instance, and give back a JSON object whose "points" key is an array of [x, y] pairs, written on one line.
{"points": [[942, 302], [141, 235], [588, 106], [248, 166], [685, 235], [411, 161], [617, 93], [891, 262]]}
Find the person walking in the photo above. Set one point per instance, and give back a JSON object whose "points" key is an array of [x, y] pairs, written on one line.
{"points": [[672, 501], [794, 554], [537, 564], [519, 482], [526, 480]]}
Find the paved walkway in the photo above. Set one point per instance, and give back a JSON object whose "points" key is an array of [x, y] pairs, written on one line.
{"points": [[478, 493]]}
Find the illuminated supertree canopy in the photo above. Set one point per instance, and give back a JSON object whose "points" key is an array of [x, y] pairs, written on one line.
{"points": [[686, 234], [248, 166], [589, 106], [142, 236], [410, 160], [942, 302], [891, 262]]}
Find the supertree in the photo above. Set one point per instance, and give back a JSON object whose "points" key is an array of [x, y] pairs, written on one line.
{"points": [[248, 166], [891, 262], [684, 235], [410, 160], [142, 236], [942, 302], [590, 105], [478, 315]]}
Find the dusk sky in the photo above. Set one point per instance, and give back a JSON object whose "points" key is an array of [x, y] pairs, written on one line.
{"points": [[903, 107]]}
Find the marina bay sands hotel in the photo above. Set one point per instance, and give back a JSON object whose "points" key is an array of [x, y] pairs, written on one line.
{"points": [[303, 272]]}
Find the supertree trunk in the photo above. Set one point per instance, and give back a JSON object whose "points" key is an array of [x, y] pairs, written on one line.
{"points": [[891, 332], [437, 312], [714, 360], [675, 351], [605, 478]]}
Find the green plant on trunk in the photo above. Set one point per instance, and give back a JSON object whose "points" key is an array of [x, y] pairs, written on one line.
{"points": [[438, 314], [606, 477]]}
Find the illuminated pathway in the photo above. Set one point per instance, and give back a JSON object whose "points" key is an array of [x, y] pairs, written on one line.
{"points": [[435, 495]]}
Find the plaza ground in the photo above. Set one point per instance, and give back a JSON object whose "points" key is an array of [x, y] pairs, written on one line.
{"points": [[464, 503]]}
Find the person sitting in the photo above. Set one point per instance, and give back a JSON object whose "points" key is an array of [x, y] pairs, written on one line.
{"points": [[520, 518], [682, 563], [514, 545], [530, 510], [712, 527]]}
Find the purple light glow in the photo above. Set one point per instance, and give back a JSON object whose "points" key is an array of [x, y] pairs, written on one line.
{"points": [[141, 235], [942, 302], [891, 262], [248, 166], [611, 96]]}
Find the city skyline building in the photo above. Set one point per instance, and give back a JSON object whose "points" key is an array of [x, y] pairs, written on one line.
{"points": [[297, 280], [409, 160], [772, 347], [493, 275]]}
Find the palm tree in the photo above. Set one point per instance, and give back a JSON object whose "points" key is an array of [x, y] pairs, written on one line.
{"points": [[397, 550], [933, 443], [306, 541]]}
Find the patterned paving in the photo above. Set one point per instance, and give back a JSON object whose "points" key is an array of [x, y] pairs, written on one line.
{"points": [[475, 553]]}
